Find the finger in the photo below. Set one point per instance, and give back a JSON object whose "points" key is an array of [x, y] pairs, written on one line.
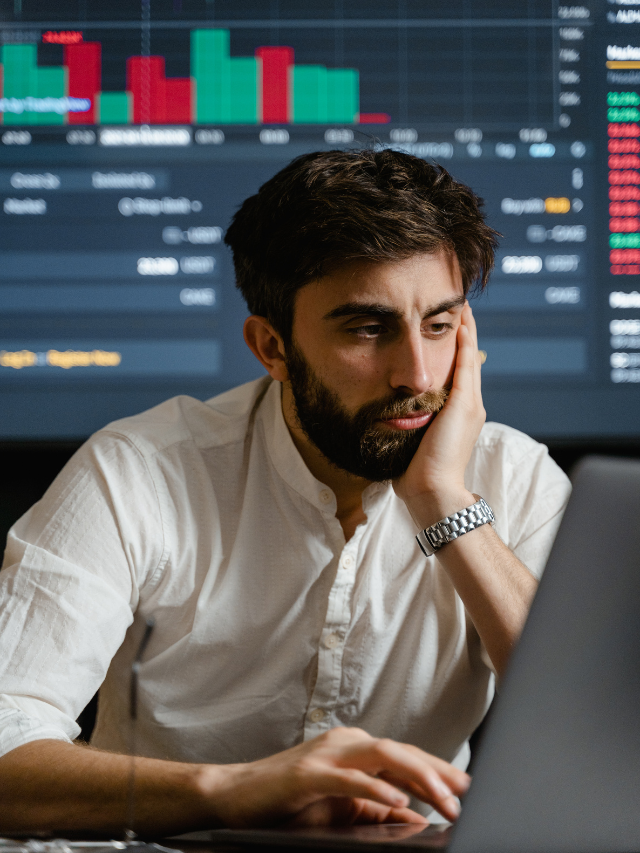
{"points": [[477, 382], [370, 812], [434, 792], [464, 374], [350, 782], [469, 321], [415, 770], [455, 778], [470, 335], [343, 811]]}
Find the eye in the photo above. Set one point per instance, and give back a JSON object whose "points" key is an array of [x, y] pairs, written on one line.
{"points": [[438, 329], [370, 330]]}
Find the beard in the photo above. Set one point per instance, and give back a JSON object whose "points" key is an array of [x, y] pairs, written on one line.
{"points": [[356, 443]]}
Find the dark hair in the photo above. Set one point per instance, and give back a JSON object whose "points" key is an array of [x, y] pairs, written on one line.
{"points": [[331, 207]]}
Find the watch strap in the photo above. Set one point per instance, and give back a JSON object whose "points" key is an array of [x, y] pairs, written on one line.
{"points": [[453, 526]]}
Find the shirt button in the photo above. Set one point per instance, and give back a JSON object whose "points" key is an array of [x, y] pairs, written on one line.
{"points": [[347, 562], [317, 715], [325, 496], [331, 641]]}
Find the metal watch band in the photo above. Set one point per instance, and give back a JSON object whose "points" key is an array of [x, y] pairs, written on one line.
{"points": [[453, 526]]}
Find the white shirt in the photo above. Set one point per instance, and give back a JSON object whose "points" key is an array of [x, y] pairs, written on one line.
{"points": [[270, 628]]}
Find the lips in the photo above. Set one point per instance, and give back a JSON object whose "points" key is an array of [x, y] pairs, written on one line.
{"points": [[415, 420]]}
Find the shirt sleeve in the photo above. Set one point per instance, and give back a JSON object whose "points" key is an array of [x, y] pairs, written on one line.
{"points": [[542, 491], [69, 585], [526, 489]]}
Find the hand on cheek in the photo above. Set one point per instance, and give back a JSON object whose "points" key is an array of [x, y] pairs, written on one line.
{"points": [[433, 485]]}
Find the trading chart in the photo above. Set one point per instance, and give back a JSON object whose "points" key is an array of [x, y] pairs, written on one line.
{"points": [[131, 131]]}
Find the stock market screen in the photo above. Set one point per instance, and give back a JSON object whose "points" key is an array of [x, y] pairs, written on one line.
{"points": [[131, 131]]}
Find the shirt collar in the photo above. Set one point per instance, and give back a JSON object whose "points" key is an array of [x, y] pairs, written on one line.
{"points": [[292, 467]]}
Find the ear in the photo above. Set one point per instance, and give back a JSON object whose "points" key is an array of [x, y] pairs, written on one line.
{"points": [[267, 346]]}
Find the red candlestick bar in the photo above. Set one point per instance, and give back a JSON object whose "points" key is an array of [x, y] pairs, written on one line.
{"points": [[276, 96], [156, 99], [145, 81], [374, 118], [178, 100], [83, 61]]}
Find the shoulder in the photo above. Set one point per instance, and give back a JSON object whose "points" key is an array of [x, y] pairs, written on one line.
{"points": [[505, 454], [512, 459], [501, 440], [516, 473], [186, 421]]}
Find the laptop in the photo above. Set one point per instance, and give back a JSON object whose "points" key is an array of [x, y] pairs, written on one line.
{"points": [[558, 768]]}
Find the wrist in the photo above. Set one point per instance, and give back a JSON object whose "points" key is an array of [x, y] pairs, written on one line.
{"points": [[430, 507], [209, 787], [457, 524]]}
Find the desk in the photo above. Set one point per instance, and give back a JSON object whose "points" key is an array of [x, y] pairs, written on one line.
{"points": [[391, 838]]}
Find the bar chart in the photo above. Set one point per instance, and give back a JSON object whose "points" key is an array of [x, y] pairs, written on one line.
{"points": [[266, 88], [249, 65], [131, 131]]}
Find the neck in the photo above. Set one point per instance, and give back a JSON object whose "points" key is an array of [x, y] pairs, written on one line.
{"points": [[347, 487]]}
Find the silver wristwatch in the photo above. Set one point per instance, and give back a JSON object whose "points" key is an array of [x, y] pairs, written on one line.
{"points": [[453, 526]]}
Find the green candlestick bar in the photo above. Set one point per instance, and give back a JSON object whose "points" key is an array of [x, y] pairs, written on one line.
{"points": [[23, 79], [209, 68], [310, 94], [226, 88], [19, 65], [243, 87], [19, 61], [115, 107], [343, 95], [50, 83], [322, 95]]}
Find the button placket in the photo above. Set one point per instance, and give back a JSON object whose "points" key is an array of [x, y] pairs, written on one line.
{"points": [[330, 652]]}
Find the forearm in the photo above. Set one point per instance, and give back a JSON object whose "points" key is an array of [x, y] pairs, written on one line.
{"points": [[50, 785], [343, 775], [495, 587]]}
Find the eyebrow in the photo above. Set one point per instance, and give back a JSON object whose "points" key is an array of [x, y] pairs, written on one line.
{"points": [[375, 309]]}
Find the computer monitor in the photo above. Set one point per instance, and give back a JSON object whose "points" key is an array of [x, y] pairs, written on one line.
{"points": [[130, 133]]}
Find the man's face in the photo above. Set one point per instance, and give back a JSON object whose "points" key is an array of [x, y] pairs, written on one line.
{"points": [[372, 354]]}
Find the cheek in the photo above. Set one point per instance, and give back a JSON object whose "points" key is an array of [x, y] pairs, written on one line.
{"points": [[349, 373]]}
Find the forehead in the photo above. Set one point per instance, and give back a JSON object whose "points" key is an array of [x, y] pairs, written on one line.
{"points": [[412, 284]]}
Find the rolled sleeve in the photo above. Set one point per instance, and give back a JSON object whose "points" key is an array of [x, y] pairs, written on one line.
{"points": [[69, 586], [44, 722]]}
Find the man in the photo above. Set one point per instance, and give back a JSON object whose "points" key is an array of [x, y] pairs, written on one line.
{"points": [[309, 662]]}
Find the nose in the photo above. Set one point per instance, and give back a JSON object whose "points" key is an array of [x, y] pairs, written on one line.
{"points": [[410, 370]]}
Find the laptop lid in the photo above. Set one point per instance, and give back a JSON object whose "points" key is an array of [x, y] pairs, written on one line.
{"points": [[558, 769]]}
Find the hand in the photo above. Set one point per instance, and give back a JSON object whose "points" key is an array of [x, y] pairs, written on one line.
{"points": [[343, 776], [433, 485]]}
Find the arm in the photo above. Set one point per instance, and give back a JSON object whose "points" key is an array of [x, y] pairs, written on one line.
{"points": [[495, 587], [344, 775]]}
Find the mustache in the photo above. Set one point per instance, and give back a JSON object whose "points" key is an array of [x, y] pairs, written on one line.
{"points": [[430, 401]]}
